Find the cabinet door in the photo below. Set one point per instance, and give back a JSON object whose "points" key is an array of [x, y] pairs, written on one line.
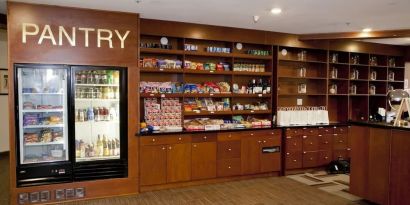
{"points": [[325, 142], [293, 160], [379, 162], [203, 160], [153, 165], [325, 157], [340, 141], [400, 166], [178, 162], [359, 161], [310, 159], [270, 162], [229, 167], [294, 143], [229, 149], [251, 152], [310, 143]]}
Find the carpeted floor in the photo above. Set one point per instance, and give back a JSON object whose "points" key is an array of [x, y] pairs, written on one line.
{"points": [[263, 191]]}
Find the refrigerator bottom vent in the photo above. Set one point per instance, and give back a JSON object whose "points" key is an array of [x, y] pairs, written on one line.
{"points": [[85, 172], [42, 181]]}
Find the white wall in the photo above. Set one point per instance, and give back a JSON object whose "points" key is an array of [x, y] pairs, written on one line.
{"points": [[4, 108], [407, 75]]}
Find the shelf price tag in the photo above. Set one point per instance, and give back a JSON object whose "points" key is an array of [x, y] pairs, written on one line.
{"points": [[212, 112], [259, 95], [211, 94], [211, 71], [162, 95], [151, 94], [161, 69], [252, 111]]}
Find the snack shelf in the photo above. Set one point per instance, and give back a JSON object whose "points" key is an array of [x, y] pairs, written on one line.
{"points": [[98, 85], [207, 95], [160, 70], [211, 54], [249, 56], [161, 95], [211, 72], [202, 112], [42, 110], [161, 51], [44, 126], [252, 73], [250, 112], [96, 100], [44, 143], [303, 61]]}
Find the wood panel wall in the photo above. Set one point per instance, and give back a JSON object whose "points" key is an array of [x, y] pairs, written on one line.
{"points": [[32, 52]]}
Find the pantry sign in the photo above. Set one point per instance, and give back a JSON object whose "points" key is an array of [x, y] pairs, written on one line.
{"points": [[60, 35]]}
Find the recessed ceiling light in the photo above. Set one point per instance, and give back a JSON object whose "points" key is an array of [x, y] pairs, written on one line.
{"points": [[276, 11], [366, 30]]}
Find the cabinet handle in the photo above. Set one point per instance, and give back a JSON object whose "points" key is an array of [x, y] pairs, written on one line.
{"points": [[205, 137], [259, 141], [334, 134], [229, 167], [348, 149], [304, 137], [311, 159], [229, 149], [340, 141], [194, 145], [287, 153], [179, 139], [295, 160], [153, 140], [264, 141], [294, 144], [169, 147], [304, 152], [251, 134], [163, 148], [272, 133], [311, 131], [326, 157], [320, 135], [326, 142], [311, 143], [229, 136]]}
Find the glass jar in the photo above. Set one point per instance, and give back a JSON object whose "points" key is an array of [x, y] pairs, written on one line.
{"points": [[335, 58], [302, 72], [373, 75], [302, 88], [333, 89], [372, 90], [391, 76], [354, 75], [353, 89]]}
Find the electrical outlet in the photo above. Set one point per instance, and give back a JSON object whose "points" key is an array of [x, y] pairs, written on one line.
{"points": [[299, 101]]}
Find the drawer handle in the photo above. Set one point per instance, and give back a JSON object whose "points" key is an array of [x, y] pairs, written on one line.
{"points": [[251, 134], [287, 153], [170, 147], [311, 159], [304, 137], [179, 139], [259, 141], [326, 157], [163, 148], [229, 167], [194, 145], [304, 152], [229, 149], [320, 135], [295, 160], [334, 134], [340, 141], [294, 144], [311, 143], [311, 131], [205, 137], [348, 149], [272, 133], [229, 136], [264, 141], [326, 142], [153, 140]]}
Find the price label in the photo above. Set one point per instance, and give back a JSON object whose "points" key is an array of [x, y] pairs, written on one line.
{"points": [[211, 94], [161, 69], [259, 95], [252, 111], [162, 95], [212, 112], [151, 95], [211, 71]]}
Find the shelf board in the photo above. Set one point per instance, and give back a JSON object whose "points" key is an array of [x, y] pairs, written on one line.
{"points": [[209, 54], [339, 79], [249, 56], [207, 95], [378, 95], [362, 65], [208, 72], [98, 85], [157, 70], [44, 110], [301, 94], [98, 122], [237, 95], [338, 63], [96, 100], [252, 73], [43, 93], [306, 61], [306, 78], [338, 95], [44, 126], [396, 67], [161, 95], [377, 80], [378, 66], [43, 143], [200, 113], [395, 81], [251, 112], [358, 95], [161, 51], [87, 159], [359, 80]]}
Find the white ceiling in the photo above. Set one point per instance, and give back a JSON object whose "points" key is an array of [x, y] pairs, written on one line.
{"points": [[391, 41], [298, 16]]}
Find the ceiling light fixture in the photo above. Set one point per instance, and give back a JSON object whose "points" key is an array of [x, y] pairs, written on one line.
{"points": [[276, 11], [366, 30], [255, 19]]}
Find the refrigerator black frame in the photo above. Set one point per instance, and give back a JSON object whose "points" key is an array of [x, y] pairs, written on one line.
{"points": [[42, 165], [123, 114]]}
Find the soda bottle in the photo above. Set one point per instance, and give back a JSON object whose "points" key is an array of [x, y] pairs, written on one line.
{"points": [[100, 147], [116, 77], [90, 114], [81, 115], [96, 77], [90, 78], [96, 114], [104, 77], [83, 77], [110, 79]]}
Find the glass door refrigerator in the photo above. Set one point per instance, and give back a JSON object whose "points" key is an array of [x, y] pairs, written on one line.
{"points": [[99, 107], [42, 134]]}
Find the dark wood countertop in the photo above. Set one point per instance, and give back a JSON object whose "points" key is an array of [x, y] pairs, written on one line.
{"points": [[378, 125]]}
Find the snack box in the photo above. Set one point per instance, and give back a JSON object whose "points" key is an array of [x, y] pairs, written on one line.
{"points": [[194, 127], [212, 127]]}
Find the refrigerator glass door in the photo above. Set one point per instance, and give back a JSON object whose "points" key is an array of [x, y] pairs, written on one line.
{"points": [[97, 114], [42, 110]]}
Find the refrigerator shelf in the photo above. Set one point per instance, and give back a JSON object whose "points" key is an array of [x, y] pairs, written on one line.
{"points": [[42, 93], [44, 126], [44, 110], [96, 100], [98, 85], [44, 143], [86, 159], [98, 122]]}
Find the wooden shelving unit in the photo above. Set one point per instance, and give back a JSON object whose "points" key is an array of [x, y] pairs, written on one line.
{"points": [[176, 51]]}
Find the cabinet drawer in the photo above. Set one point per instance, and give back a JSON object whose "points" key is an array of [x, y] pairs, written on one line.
{"points": [[325, 142], [310, 142], [293, 160], [310, 131], [270, 141], [210, 137], [160, 140], [340, 130], [264, 133], [325, 157], [326, 130], [293, 143], [310, 159], [229, 136], [339, 141], [342, 153], [229, 149], [293, 131], [229, 167]]}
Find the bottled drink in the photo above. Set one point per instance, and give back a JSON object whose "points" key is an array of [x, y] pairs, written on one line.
{"points": [[85, 114], [110, 78], [96, 77], [113, 148], [102, 114], [253, 86], [78, 78], [83, 77], [116, 93], [116, 76], [90, 114], [90, 78], [105, 92], [98, 93], [96, 114], [100, 147], [81, 116], [117, 146], [104, 77], [109, 147], [112, 113], [105, 146], [82, 149], [249, 91]]}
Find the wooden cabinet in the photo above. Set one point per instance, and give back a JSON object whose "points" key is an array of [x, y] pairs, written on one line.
{"points": [[179, 162], [260, 153], [153, 164], [203, 160], [293, 160], [310, 143], [228, 154], [359, 160]]}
